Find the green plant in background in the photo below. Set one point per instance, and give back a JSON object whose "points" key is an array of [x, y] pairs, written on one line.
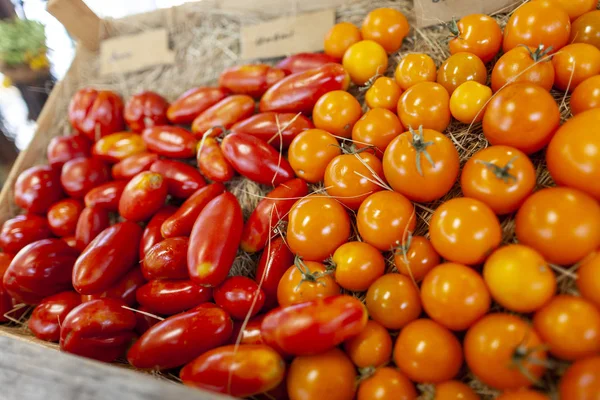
{"points": [[23, 42]]}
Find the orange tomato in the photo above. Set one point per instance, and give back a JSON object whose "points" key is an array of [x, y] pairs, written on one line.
{"points": [[572, 155], [468, 102], [581, 380], [425, 104], [524, 64], [500, 176], [384, 93], [588, 279], [535, 23], [310, 152], [478, 34], [317, 226], [586, 29], [562, 224], [305, 281], [521, 115], [419, 355], [357, 265], [422, 165], [118, 146], [519, 278], [460, 68], [393, 301], [415, 257], [575, 8], [523, 394], [454, 390], [336, 112], [370, 348], [574, 64], [385, 219], [364, 60], [386, 384], [339, 38], [349, 178], [386, 26], [499, 347], [464, 230], [570, 326], [329, 375], [586, 95], [415, 68], [378, 127]]}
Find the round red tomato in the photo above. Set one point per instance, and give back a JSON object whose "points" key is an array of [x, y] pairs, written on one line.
{"points": [[239, 296]]}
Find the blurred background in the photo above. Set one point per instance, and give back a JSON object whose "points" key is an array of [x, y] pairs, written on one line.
{"points": [[35, 52]]}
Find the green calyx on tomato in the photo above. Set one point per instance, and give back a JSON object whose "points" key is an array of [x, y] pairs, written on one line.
{"points": [[307, 275], [420, 146], [501, 172], [539, 53]]}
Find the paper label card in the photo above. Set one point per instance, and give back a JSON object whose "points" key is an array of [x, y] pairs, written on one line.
{"points": [[433, 12]]}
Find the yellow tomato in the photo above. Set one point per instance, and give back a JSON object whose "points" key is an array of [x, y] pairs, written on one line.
{"points": [[468, 102], [364, 60]]}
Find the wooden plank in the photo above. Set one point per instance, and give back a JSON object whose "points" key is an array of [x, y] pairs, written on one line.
{"points": [[81, 22], [32, 372]]}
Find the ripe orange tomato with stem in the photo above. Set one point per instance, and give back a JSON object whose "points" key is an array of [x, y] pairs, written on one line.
{"points": [[384, 93], [586, 29], [305, 281], [575, 63], [339, 38], [393, 301], [454, 390], [386, 26], [421, 164], [370, 348], [377, 127], [460, 68], [586, 95], [385, 384], [357, 265], [468, 102], [581, 380], [478, 34], [425, 104], [414, 68], [588, 278], [336, 112], [524, 64], [415, 257], [310, 152], [519, 278], [504, 352], [500, 176], [575, 8], [365, 60]]}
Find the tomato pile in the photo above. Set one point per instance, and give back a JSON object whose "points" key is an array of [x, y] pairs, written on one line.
{"points": [[128, 238]]}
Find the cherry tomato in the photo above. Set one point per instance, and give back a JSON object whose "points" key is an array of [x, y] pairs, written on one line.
{"points": [[425, 104], [37, 189], [64, 148], [415, 68], [500, 176], [364, 61], [460, 68], [415, 257], [81, 175], [377, 127], [107, 258], [575, 8], [329, 374], [586, 96], [350, 178], [63, 216], [504, 352], [588, 279], [300, 92], [464, 230], [152, 233], [167, 260], [106, 196], [240, 371], [47, 316], [91, 222], [325, 323], [524, 64], [386, 384], [575, 63], [336, 112], [478, 34], [586, 29], [223, 115], [96, 113], [8, 306], [422, 165], [370, 348], [145, 320], [179, 339], [468, 102], [194, 102], [384, 93], [133, 165], [252, 79], [305, 281], [339, 39], [570, 156], [386, 26], [269, 212], [519, 278], [170, 141], [417, 352], [393, 301], [310, 152], [538, 22], [239, 296], [301, 62], [144, 110], [317, 226], [521, 115], [118, 146], [570, 326], [562, 224], [214, 240], [274, 262], [277, 129], [182, 179], [124, 289], [357, 265], [181, 222], [143, 196], [99, 329], [22, 230], [455, 390], [581, 380], [250, 334], [212, 163], [166, 297]]}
